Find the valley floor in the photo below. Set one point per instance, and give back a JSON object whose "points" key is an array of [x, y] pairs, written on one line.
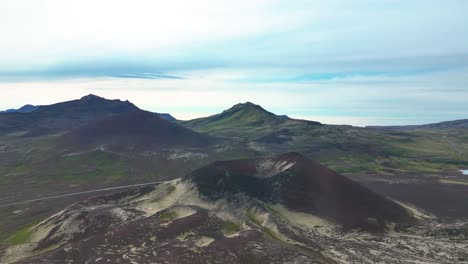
{"points": [[442, 195]]}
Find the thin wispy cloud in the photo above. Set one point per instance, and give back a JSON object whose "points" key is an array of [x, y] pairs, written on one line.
{"points": [[147, 76]]}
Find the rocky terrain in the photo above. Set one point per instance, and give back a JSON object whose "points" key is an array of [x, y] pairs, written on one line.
{"points": [[402, 199], [187, 221]]}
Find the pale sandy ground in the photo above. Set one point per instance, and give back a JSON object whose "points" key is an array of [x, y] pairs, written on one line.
{"points": [[180, 197], [460, 182]]}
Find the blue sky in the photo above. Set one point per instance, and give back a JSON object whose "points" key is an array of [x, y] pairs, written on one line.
{"points": [[363, 62]]}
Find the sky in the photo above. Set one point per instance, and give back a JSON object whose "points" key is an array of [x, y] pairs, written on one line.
{"points": [[358, 62]]}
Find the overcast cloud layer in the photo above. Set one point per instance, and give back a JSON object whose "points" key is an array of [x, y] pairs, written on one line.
{"points": [[360, 62]]}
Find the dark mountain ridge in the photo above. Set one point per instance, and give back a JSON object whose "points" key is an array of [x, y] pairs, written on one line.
{"points": [[63, 116], [24, 109], [92, 103]]}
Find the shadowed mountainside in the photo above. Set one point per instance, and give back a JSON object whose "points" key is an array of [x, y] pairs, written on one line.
{"points": [[135, 130], [166, 116]]}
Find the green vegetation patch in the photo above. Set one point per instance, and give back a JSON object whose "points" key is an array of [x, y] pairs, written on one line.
{"points": [[168, 215], [21, 236], [45, 142], [98, 165], [230, 227]]}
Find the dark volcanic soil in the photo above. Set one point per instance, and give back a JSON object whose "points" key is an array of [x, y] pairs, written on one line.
{"points": [[424, 191], [301, 185]]}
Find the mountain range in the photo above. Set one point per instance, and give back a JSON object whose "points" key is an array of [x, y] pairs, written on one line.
{"points": [[64, 116], [24, 109], [242, 186], [93, 123]]}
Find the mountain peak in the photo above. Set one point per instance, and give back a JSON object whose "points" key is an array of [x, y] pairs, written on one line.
{"points": [[90, 97], [250, 110], [247, 105], [246, 117]]}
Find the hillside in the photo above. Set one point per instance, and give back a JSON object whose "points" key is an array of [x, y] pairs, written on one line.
{"points": [[243, 120], [166, 116], [342, 147], [134, 131]]}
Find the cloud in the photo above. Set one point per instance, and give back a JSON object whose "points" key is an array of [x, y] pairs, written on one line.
{"points": [[86, 38], [108, 67], [147, 76]]}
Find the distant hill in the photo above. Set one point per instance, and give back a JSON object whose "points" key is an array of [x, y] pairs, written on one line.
{"points": [[238, 115], [63, 116], [462, 123], [134, 131], [24, 109], [87, 105], [244, 119]]}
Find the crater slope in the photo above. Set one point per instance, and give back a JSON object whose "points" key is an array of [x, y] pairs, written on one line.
{"points": [[301, 185]]}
